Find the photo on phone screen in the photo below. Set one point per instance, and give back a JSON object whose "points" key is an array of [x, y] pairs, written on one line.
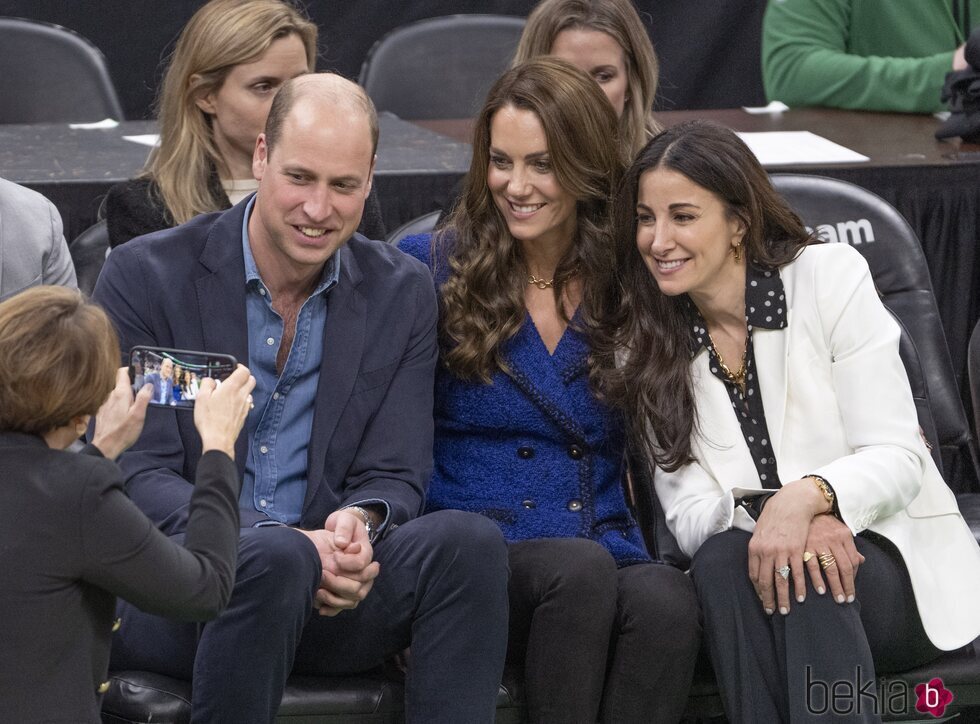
{"points": [[175, 374]]}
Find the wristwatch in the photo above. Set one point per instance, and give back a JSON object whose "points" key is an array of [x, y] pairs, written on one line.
{"points": [[372, 531]]}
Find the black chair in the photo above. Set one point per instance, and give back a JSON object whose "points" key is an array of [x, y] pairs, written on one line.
{"points": [[970, 503], [138, 697], [440, 67], [88, 251], [49, 74], [419, 225], [842, 212]]}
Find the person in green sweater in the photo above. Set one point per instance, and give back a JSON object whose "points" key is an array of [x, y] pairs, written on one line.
{"points": [[880, 55]]}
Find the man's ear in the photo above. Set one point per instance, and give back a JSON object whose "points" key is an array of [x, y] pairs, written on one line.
{"points": [[370, 181], [204, 101], [260, 157]]}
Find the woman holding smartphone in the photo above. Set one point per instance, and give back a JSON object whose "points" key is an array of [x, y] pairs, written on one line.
{"points": [[71, 540]]}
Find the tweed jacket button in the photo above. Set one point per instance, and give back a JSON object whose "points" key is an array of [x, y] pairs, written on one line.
{"points": [[575, 452], [525, 453], [575, 505], [103, 687], [529, 504]]}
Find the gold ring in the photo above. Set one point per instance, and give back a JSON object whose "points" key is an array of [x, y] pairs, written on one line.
{"points": [[807, 556], [827, 560]]}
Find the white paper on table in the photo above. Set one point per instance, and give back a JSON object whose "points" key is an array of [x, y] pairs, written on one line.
{"points": [[147, 139], [773, 107], [104, 123], [775, 148]]}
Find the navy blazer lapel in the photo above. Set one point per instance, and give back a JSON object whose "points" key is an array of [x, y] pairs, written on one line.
{"points": [[343, 347], [544, 380], [221, 298]]}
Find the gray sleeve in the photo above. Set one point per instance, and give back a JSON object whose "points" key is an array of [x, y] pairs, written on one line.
{"points": [[58, 267]]}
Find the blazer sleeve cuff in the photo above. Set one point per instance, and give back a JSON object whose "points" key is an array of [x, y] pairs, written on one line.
{"points": [[376, 503]]}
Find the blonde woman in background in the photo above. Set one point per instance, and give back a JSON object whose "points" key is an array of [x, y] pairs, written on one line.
{"points": [[607, 40], [229, 62]]}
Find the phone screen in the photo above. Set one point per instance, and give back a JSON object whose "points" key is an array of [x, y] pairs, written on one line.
{"points": [[176, 375]]}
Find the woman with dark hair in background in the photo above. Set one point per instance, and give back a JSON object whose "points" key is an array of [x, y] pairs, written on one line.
{"points": [[607, 40], [229, 62], [601, 631], [71, 540], [760, 373]]}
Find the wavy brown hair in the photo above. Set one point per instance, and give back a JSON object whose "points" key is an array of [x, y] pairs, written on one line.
{"points": [[619, 20], [648, 331], [220, 35], [483, 297]]}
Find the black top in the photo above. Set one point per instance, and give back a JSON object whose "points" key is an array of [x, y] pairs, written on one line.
{"points": [[70, 542], [134, 208], [765, 306]]}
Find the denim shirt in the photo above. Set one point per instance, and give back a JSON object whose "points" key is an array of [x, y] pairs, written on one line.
{"points": [[280, 424]]}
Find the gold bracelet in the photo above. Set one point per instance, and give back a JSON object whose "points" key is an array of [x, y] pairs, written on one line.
{"points": [[828, 492]]}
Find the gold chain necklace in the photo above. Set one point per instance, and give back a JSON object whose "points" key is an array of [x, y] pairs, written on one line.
{"points": [[540, 283], [737, 377]]}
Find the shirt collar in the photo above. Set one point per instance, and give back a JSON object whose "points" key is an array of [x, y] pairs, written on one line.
{"points": [[328, 278], [765, 298], [765, 305]]}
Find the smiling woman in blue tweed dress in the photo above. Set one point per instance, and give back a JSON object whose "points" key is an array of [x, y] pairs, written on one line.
{"points": [[602, 632]]}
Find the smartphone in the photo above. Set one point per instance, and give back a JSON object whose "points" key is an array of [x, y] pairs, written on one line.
{"points": [[176, 374]]}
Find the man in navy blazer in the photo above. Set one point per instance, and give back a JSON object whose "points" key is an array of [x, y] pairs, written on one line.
{"points": [[340, 333], [163, 383]]}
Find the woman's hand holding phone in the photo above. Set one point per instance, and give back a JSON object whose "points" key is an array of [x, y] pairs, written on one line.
{"points": [[220, 411], [119, 421]]}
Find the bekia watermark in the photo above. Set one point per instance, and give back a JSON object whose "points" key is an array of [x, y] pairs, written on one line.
{"points": [[864, 695]]}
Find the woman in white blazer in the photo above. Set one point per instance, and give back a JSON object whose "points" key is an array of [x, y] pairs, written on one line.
{"points": [[761, 372]]}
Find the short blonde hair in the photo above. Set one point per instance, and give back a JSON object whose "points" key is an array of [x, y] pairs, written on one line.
{"points": [[221, 35], [58, 359], [618, 19]]}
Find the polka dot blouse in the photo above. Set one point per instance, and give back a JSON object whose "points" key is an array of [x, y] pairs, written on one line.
{"points": [[765, 307]]}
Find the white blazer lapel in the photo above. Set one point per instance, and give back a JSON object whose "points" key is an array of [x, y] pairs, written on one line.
{"points": [[719, 444]]}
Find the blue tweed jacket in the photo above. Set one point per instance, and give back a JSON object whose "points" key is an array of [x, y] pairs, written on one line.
{"points": [[534, 450]]}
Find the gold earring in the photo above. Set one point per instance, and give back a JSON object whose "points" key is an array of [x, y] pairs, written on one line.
{"points": [[737, 252]]}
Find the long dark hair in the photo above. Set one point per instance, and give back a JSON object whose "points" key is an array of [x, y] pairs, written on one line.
{"points": [[646, 331], [483, 297]]}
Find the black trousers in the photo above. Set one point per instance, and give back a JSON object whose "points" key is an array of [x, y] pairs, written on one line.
{"points": [[442, 589], [784, 668], [597, 642]]}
